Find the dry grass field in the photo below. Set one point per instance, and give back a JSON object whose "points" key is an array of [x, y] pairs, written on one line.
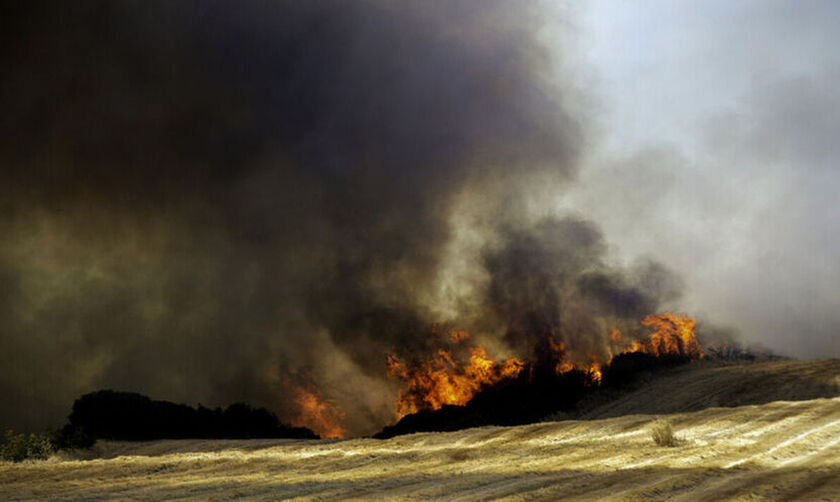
{"points": [[783, 449]]}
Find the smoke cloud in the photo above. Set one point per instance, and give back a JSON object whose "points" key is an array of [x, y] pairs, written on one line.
{"points": [[202, 199]]}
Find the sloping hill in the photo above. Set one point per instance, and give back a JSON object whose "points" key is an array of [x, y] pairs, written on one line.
{"points": [[705, 384], [783, 450]]}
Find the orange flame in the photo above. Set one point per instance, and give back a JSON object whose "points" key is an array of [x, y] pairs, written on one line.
{"points": [[594, 369], [443, 380], [674, 335], [321, 416]]}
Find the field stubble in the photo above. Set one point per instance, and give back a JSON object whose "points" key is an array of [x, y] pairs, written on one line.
{"points": [[779, 450]]}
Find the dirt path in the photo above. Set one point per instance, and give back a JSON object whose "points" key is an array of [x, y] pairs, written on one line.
{"points": [[785, 450]]}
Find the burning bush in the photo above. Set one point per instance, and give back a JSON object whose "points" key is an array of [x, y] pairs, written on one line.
{"points": [[443, 393], [527, 397], [443, 380]]}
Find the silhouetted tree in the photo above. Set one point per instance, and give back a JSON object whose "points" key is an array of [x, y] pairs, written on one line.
{"points": [[108, 414]]}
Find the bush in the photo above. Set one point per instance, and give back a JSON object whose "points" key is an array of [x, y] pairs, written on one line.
{"points": [[662, 434], [17, 447], [70, 437]]}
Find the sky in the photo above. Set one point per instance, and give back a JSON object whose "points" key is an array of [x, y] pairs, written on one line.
{"points": [[718, 156], [232, 201]]}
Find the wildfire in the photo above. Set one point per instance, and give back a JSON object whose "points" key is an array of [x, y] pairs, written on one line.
{"points": [[319, 415], [594, 369], [444, 379], [674, 335]]}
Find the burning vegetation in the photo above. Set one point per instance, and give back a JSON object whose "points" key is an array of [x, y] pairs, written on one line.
{"points": [[476, 381], [461, 374], [443, 380], [318, 414], [673, 335]]}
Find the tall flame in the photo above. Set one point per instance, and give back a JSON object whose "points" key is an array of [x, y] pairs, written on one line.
{"points": [[445, 380], [674, 335]]}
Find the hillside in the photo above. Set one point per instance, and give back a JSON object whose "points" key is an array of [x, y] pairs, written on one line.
{"points": [[772, 451], [710, 383]]}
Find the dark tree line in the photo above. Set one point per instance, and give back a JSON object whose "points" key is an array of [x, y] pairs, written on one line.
{"points": [[108, 414]]}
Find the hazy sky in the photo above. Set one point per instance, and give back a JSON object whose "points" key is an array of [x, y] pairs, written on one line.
{"points": [[719, 156]]}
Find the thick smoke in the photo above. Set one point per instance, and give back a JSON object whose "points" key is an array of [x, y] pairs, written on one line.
{"points": [[551, 279], [203, 198]]}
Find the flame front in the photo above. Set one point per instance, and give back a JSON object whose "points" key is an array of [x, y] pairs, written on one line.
{"points": [[444, 379], [319, 415]]}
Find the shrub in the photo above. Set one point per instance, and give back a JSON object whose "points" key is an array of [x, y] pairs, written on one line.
{"points": [[17, 447], [662, 434], [71, 437]]}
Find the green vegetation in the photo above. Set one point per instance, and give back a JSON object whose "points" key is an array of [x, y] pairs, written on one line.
{"points": [[17, 447]]}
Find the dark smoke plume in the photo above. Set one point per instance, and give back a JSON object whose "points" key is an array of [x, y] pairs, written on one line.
{"points": [[199, 198], [552, 280]]}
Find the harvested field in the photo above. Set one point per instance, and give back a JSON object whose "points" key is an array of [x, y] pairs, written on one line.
{"points": [[780, 450]]}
